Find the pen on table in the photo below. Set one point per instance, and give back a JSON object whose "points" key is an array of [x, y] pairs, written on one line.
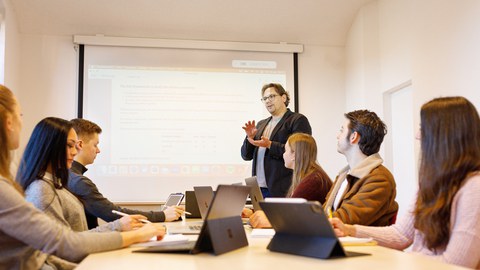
{"points": [[329, 211], [124, 215]]}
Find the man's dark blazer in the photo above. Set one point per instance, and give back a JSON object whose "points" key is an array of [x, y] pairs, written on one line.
{"points": [[278, 177]]}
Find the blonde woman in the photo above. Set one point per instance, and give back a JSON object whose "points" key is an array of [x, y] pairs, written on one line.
{"points": [[309, 180]]}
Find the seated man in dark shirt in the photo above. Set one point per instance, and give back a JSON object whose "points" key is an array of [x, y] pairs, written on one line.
{"points": [[96, 205]]}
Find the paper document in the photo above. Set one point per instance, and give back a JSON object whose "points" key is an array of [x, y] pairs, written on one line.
{"points": [[285, 200], [355, 241], [168, 239], [259, 233]]}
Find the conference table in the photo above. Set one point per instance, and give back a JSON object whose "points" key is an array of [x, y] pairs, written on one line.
{"points": [[257, 256]]}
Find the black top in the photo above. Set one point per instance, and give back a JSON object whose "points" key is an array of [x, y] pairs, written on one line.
{"points": [[97, 206]]}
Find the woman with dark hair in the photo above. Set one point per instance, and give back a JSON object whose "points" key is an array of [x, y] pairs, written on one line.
{"points": [[28, 236], [43, 174], [309, 180], [44, 149], [444, 222]]}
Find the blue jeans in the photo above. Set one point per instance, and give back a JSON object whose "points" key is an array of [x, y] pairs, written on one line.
{"points": [[265, 192]]}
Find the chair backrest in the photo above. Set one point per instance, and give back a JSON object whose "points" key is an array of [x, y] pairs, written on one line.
{"points": [[393, 219]]}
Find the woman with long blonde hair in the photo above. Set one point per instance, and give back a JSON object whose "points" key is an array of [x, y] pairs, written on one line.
{"points": [[309, 180]]}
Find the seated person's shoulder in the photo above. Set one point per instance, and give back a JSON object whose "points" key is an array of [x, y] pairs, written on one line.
{"points": [[467, 199], [378, 179], [40, 193], [74, 178], [40, 186], [381, 173], [79, 183], [472, 184]]}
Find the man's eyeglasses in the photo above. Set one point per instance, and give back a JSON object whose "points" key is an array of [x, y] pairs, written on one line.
{"points": [[269, 98]]}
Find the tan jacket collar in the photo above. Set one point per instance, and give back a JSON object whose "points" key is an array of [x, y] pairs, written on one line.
{"points": [[364, 167]]}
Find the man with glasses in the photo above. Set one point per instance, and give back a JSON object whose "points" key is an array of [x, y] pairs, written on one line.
{"points": [[265, 142]]}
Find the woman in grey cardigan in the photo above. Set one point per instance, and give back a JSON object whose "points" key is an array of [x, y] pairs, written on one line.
{"points": [[28, 236]]}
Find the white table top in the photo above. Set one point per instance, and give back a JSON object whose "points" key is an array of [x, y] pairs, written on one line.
{"points": [[257, 256]]}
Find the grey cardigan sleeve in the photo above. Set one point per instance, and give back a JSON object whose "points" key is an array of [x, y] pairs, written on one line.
{"points": [[23, 222], [108, 227]]}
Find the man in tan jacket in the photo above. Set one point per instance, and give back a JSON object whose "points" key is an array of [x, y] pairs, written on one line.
{"points": [[364, 191]]}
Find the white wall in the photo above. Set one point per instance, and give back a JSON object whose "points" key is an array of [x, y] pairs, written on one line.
{"points": [[11, 64], [446, 58], [362, 62], [49, 88], [395, 27], [48, 85], [432, 43], [322, 100], [12, 45]]}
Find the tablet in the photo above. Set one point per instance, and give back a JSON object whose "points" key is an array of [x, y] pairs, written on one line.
{"points": [[222, 230], [303, 229], [173, 199]]}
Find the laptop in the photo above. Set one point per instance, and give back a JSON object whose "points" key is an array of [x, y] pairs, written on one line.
{"points": [[303, 229], [191, 205], [203, 195], [222, 230], [256, 195]]}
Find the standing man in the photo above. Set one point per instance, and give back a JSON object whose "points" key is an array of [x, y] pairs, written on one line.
{"points": [[364, 191], [97, 206], [265, 142]]}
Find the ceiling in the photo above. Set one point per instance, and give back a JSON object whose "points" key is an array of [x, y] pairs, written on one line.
{"points": [[313, 22]]}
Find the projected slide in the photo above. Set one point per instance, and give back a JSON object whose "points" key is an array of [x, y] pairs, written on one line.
{"points": [[167, 129]]}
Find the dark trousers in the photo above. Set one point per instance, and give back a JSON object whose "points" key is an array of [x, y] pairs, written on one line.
{"points": [[265, 192]]}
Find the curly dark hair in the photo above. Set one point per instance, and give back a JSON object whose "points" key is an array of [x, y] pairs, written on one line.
{"points": [[279, 89], [371, 128]]}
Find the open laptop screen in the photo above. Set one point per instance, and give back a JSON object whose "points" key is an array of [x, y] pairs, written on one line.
{"points": [[255, 192]]}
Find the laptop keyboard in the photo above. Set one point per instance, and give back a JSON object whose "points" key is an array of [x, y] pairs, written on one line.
{"points": [[195, 227]]}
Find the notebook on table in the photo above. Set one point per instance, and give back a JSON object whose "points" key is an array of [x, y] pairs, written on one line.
{"points": [[222, 230], [303, 229]]}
